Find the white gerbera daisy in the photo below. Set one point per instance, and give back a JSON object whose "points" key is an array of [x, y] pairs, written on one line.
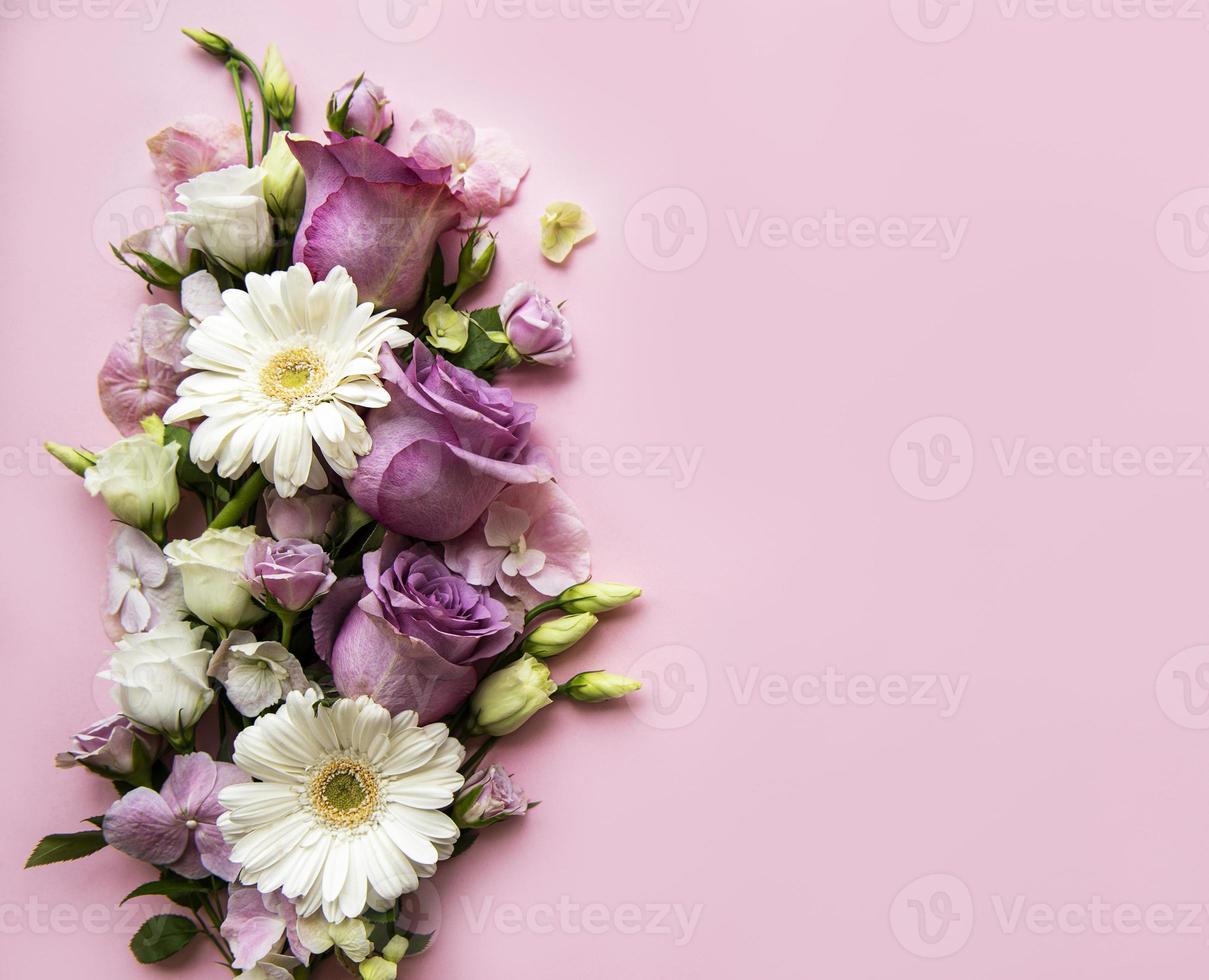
{"points": [[347, 812], [284, 365]]}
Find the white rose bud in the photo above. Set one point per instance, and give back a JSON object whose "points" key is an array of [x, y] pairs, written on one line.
{"points": [[137, 479], [511, 696], [160, 679], [212, 569], [227, 217]]}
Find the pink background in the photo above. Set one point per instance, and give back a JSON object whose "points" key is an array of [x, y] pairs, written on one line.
{"points": [[797, 838]]}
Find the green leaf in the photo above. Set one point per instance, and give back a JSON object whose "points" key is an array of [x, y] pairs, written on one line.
{"points": [[434, 280], [188, 474], [65, 847], [180, 890], [481, 352], [161, 936], [465, 842], [95, 821]]}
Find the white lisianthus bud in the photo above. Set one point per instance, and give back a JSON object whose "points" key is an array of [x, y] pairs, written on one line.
{"points": [[599, 685], [160, 678], [137, 479], [284, 183], [511, 696], [552, 638], [597, 597], [211, 567], [279, 91], [227, 217]]}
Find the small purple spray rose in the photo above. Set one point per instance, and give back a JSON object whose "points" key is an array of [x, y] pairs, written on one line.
{"points": [[413, 634], [177, 827], [112, 748], [535, 326], [443, 449], [292, 574], [358, 108], [488, 797]]}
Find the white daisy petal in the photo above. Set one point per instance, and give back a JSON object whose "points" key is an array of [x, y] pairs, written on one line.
{"points": [[346, 812], [285, 364]]}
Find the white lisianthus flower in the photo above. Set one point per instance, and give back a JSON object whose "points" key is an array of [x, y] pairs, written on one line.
{"points": [[160, 678], [283, 366], [347, 811], [211, 567], [227, 217], [137, 479]]}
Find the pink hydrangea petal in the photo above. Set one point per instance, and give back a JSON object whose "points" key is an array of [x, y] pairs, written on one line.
{"points": [[191, 781], [189, 864], [191, 146], [132, 386], [142, 825], [215, 852], [510, 163], [251, 929]]}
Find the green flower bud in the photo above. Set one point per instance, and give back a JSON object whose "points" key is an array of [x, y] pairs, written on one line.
{"points": [[511, 696], [378, 968], [284, 182], [598, 597], [215, 44], [76, 460], [396, 949], [560, 634], [279, 90], [599, 685], [473, 269], [448, 328]]}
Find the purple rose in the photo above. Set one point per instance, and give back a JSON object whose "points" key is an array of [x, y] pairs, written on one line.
{"points": [[292, 574], [488, 797], [178, 826], [443, 449], [376, 214], [535, 326], [113, 748], [412, 635], [365, 114], [313, 516]]}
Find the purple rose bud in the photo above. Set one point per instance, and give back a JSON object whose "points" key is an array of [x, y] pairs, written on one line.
{"points": [[310, 516], [113, 748], [488, 797], [358, 108], [292, 574], [535, 326]]}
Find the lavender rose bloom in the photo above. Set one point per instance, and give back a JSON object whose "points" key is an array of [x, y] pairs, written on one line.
{"points": [[113, 747], [293, 574], [443, 449], [488, 797], [412, 635], [535, 326], [376, 214]]}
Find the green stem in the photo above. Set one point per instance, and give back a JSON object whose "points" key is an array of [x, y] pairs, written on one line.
{"points": [[541, 610], [245, 116], [287, 626], [244, 498], [469, 765], [266, 134]]}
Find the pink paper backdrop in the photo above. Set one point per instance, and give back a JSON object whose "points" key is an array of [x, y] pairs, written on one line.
{"points": [[891, 390]]}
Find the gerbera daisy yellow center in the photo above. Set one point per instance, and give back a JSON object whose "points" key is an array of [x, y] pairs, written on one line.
{"points": [[344, 793], [292, 374]]}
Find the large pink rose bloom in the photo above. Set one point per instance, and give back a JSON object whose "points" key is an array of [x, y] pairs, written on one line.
{"points": [[531, 542], [485, 166], [376, 214], [192, 146], [443, 449]]}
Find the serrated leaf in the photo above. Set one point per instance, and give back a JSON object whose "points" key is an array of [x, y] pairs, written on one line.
{"points": [[160, 937], [481, 351], [65, 847]]}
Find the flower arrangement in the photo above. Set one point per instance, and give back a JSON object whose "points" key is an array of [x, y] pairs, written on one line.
{"points": [[310, 682]]}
